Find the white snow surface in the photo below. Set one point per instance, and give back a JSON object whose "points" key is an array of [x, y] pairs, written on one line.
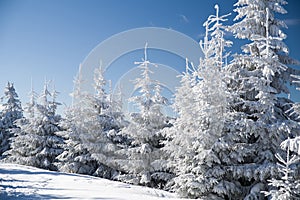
{"points": [[23, 182]]}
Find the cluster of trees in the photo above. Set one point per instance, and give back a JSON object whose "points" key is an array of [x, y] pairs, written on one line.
{"points": [[235, 136]]}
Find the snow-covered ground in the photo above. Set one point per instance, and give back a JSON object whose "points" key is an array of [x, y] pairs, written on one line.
{"points": [[23, 182]]}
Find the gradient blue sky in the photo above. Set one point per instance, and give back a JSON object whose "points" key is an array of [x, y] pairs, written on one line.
{"points": [[48, 39]]}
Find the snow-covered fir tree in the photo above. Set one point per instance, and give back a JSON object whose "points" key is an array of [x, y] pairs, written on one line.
{"points": [[142, 159], [102, 125], [30, 106], [288, 186], [176, 143], [35, 143], [11, 111], [92, 124], [197, 130], [258, 120], [75, 158], [116, 108]]}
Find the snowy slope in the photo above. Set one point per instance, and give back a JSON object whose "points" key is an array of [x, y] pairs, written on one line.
{"points": [[23, 182]]}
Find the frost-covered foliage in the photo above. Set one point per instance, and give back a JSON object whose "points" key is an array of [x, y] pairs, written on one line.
{"points": [[258, 120], [183, 125], [101, 124], [11, 108], [35, 142], [91, 130], [265, 33], [143, 158], [288, 186], [196, 131], [224, 143], [75, 158], [11, 111]]}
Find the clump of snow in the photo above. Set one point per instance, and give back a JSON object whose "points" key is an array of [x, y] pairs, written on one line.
{"points": [[23, 182]]}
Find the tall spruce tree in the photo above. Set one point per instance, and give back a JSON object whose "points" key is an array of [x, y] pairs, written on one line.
{"points": [[75, 158], [198, 166], [258, 120], [102, 125], [142, 159]]}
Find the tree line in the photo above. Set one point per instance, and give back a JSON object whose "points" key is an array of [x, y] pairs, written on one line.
{"points": [[235, 136]]}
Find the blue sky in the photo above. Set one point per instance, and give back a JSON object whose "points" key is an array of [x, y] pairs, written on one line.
{"points": [[43, 39]]}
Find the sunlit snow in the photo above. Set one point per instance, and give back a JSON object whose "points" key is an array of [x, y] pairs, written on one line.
{"points": [[23, 182]]}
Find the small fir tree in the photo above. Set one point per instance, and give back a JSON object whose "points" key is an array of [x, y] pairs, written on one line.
{"points": [[11, 111], [288, 186]]}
